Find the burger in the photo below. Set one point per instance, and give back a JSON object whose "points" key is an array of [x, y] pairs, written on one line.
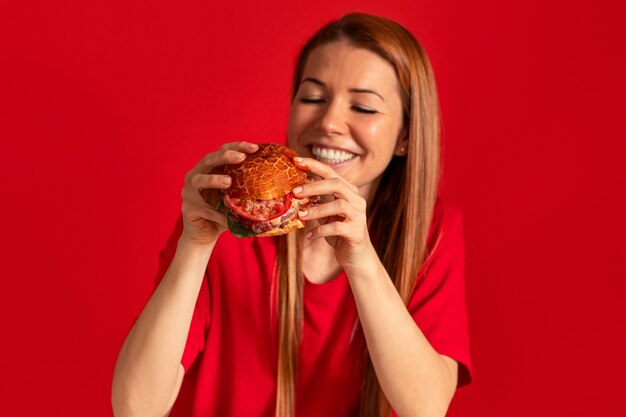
{"points": [[259, 201]]}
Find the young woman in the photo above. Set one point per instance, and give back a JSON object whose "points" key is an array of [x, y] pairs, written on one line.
{"points": [[360, 313]]}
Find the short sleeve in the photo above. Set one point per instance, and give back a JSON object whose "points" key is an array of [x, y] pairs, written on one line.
{"points": [[201, 318], [438, 302]]}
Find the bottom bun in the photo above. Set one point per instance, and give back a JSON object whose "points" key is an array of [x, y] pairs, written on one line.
{"points": [[294, 224]]}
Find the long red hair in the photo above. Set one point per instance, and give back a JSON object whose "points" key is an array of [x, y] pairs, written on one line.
{"points": [[403, 205]]}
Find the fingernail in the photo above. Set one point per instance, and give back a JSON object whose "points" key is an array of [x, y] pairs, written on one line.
{"points": [[297, 190], [298, 159], [226, 180], [239, 155], [309, 234], [303, 213], [252, 145]]}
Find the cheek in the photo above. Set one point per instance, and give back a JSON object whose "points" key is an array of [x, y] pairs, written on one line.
{"points": [[293, 127], [291, 121], [381, 133], [298, 121]]}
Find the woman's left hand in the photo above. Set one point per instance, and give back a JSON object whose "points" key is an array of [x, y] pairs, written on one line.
{"points": [[341, 214]]}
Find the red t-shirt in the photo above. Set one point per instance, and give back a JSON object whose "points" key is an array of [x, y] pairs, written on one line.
{"points": [[230, 357]]}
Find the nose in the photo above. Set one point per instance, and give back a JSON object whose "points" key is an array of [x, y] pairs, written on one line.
{"points": [[332, 119]]}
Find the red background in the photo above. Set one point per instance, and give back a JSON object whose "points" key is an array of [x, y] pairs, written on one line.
{"points": [[106, 105]]}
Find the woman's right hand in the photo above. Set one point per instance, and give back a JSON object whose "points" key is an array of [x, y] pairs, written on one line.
{"points": [[202, 222]]}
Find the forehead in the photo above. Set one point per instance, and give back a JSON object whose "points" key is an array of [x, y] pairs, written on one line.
{"points": [[341, 63]]}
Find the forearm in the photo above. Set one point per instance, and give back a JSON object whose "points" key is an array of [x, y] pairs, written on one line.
{"points": [[414, 377], [147, 366]]}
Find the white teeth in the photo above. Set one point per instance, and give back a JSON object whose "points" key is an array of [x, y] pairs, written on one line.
{"points": [[330, 155]]}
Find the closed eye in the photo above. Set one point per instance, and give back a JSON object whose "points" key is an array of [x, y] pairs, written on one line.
{"points": [[358, 109], [364, 110], [311, 100]]}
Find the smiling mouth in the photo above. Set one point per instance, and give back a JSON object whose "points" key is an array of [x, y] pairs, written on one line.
{"points": [[331, 156]]}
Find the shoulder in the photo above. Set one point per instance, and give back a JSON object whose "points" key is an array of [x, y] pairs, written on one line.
{"points": [[446, 216], [438, 301], [446, 235], [441, 277]]}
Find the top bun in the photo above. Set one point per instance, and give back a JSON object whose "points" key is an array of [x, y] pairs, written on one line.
{"points": [[266, 174]]}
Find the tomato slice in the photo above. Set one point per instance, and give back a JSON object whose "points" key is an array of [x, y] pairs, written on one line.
{"points": [[259, 210]]}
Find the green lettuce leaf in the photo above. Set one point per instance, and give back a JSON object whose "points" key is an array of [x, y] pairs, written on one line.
{"points": [[238, 230]]}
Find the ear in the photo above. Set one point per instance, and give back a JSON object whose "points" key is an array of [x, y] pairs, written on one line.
{"points": [[402, 144]]}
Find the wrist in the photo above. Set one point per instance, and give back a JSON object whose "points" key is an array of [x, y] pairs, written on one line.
{"points": [[366, 261], [192, 246]]}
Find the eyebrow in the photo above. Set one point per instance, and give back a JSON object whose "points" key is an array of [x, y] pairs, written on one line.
{"points": [[352, 90]]}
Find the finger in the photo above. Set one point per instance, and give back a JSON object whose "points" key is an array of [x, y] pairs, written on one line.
{"points": [[329, 229], [323, 171], [337, 187], [215, 216], [320, 169], [339, 208], [216, 159], [209, 196], [242, 146], [205, 181], [229, 153], [201, 210], [300, 163], [315, 167]]}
